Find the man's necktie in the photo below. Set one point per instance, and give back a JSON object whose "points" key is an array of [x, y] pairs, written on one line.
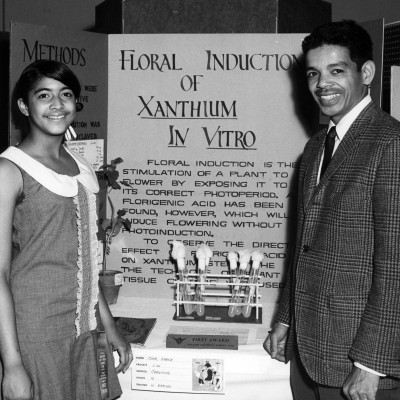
{"points": [[329, 145]]}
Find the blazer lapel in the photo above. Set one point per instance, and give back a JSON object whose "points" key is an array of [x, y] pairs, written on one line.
{"points": [[311, 173], [348, 143], [346, 147]]}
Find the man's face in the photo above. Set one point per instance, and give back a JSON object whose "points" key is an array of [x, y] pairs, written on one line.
{"points": [[334, 81]]}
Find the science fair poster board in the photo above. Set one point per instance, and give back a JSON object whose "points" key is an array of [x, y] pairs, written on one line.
{"points": [[210, 129], [85, 54]]}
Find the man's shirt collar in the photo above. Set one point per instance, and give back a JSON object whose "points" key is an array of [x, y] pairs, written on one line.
{"points": [[344, 124]]}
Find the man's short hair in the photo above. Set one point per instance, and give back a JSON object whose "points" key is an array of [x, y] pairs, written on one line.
{"points": [[346, 33]]}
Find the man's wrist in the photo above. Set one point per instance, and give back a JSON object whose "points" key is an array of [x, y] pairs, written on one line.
{"points": [[278, 324], [287, 326], [358, 365]]}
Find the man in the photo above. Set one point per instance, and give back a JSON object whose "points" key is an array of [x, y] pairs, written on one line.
{"points": [[339, 315]]}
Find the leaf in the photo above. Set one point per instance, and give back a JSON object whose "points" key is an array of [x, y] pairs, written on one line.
{"points": [[117, 229], [127, 224], [106, 223], [116, 185], [112, 176], [112, 226], [105, 166], [125, 184], [116, 161]]}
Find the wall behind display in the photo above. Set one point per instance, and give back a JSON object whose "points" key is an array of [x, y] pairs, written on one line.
{"points": [[210, 16], [73, 14], [365, 10], [80, 15]]}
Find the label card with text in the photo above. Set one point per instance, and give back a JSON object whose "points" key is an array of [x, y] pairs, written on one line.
{"points": [[92, 150], [202, 341], [157, 370]]}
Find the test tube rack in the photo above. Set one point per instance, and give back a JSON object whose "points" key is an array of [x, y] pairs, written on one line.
{"points": [[217, 302]]}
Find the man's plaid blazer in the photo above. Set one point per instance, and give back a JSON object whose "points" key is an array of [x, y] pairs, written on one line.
{"points": [[342, 295]]}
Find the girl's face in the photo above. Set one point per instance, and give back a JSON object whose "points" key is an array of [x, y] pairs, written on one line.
{"points": [[51, 107]]}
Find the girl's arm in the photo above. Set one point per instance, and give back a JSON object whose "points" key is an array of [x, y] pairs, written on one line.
{"points": [[16, 382], [114, 337]]}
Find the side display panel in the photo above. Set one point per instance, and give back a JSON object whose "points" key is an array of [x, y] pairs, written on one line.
{"points": [[4, 82], [395, 92], [85, 53], [211, 129]]}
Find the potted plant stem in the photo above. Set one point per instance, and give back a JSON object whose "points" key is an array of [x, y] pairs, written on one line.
{"points": [[111, 280]]}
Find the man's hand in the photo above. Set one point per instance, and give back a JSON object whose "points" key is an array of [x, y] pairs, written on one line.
{"points": [[275, 342], [361, 385]]}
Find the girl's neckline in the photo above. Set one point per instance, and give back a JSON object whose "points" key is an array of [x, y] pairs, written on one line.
{"points": [[52, 170], [63, 185]]}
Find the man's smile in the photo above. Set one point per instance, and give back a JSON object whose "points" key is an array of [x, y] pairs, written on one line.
{"points": [[329, 96]]}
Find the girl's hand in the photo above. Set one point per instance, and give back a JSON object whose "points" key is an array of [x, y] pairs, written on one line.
{"points": [[16, 384], [122, 346], [114, 337]]}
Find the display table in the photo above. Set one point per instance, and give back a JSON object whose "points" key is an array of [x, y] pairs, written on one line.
{"points": [[249, 371]]}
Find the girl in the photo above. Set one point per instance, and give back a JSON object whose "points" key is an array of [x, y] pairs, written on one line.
{"points": [[50, 302]]}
